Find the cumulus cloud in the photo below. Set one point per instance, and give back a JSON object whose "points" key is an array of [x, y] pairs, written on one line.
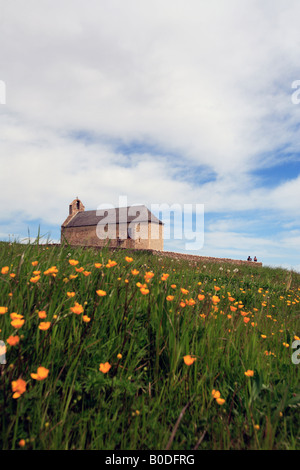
{"points": [[174, 102]]}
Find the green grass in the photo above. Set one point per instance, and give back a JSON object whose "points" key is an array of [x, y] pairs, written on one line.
{"points": [[149, 399]]}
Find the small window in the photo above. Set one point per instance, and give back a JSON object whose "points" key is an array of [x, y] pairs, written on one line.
{"points": [[78, 205], [106, 228], [138, 227]]}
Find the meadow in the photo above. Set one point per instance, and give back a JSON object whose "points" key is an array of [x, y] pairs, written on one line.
{"points": [[126, 350]]}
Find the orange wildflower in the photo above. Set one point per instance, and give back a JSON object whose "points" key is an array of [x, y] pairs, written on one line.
{"points": [[42, 373], [71, 294], [232, 308], [220, 401], [78, 309], [17, 323], [86, 319], [144, 291], [104, 367], [13, 340], [73, 262], [249, 373], [246, 319], [101, 293], [215, 394], [128, 259], [134, 272], [111, 263], [215, 299], [149, 275], [164, 277], [34, 263], [79, 270], [184, 291], [201, 297], [170, 298], [44, 325], [42, 314], [35, 279], [18, 387], [5, 270], [189, 360], [97, 265], [3, 310]]}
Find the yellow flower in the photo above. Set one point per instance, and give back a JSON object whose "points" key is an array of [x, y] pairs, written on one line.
{"points": [[98, 265], [101, 293], [249, 373], [164, 277], [144, 291], [18, 387], [44, 325], [3, 310], [42, 373], [263, 336], [111, 263], [182, 304], [256, 426], [190, 302], [71, 294], [79, 270], [149, 275], [52, 271], [215, 394], [184, 291], [119, 356], [73, 262], [17, 323], [13, 340], [189, 360], [86, 319], [42, 314], [220, 401], [173, 286], [104, 367], [134, 272], [170, 297], [35, 279], [78, 309], [128, 259], [215, 299]]}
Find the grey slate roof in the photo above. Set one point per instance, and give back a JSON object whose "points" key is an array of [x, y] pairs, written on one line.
{"points": [[110, 216]]}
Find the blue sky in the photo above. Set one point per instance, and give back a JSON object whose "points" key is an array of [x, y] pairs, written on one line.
{"points": [[168, 102]]}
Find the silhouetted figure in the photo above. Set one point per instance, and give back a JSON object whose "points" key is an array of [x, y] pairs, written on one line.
{"points": [[249, 259], [255, 259]]}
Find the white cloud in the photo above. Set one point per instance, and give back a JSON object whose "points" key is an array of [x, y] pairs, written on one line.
{"points": [[207, 84]]}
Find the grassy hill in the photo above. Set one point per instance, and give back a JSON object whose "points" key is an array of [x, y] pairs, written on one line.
{"points": [[126, 350]]}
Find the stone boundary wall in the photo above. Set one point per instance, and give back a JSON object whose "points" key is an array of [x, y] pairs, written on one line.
{"points": [[173, 255]]}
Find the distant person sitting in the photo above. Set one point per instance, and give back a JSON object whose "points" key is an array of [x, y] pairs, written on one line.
{"points": [[255, 259], [249, 259]]}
